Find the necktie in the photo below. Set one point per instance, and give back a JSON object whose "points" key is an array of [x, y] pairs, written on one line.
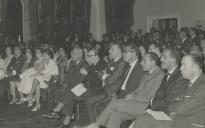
{"points": [[126, 78], [168, 75], [189, 84]]}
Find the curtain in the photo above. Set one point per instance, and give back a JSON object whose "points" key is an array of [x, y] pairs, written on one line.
{"points": [[3, 11], [119, 15], [47, 21], [13, 23]]}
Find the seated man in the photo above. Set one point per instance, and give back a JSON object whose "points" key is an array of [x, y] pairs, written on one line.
{"points": [[112, 81], [94, 81], [187, 108], [131, 55], [77, 73], [136, 102], [14, 68]]}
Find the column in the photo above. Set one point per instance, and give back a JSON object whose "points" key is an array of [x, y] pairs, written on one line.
{"points": [[3, 11], [97, 19]]}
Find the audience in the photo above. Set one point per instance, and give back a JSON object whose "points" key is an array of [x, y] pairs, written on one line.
{"points": [[125, 76], [185, 108]]}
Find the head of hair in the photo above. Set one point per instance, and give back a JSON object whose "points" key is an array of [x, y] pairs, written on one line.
{"points": [[144, 45], [48, 52], [95, 51], [134, 48], [194, 30], [119, 45], [17, 46], [175, 53], [154, 57], [185, 30], [157, 45], [198, 59]]}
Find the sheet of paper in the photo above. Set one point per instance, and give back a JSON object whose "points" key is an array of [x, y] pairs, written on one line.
{"points": [[79, 89], [158, 115]]}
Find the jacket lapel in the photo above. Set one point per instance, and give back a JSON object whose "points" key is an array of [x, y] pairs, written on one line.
{"points": [[173, 76]]}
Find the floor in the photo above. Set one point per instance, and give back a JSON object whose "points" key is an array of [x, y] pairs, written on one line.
{"points": [[20, 116]]}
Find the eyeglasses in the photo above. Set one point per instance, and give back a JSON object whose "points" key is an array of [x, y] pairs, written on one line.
{"points": [[90, 55], [129, 51]]}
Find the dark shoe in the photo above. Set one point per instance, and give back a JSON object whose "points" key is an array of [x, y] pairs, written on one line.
{"points": [[63, 126], [53, 115]]}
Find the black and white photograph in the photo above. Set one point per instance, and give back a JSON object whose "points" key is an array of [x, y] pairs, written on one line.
{"points": [[102, 63]]}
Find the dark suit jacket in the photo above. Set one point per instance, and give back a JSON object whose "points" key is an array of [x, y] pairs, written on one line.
{"points": [[94, 80], [16, 64], [117, 71], [168, 90], [73, 75], [133, 80], [190, 107]]}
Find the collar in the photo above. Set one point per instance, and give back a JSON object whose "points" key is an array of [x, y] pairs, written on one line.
{"points": [[194, 79], [133, 63], [193, 36], [184, 39], [115, 60], [172, 70], [150, 72]]}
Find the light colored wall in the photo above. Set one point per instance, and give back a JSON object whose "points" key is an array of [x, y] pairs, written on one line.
{"points": [[190, 11]]}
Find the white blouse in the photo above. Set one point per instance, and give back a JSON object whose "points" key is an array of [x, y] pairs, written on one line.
{"points": [[51, 68]]}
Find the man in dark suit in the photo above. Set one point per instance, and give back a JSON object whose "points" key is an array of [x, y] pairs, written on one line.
{"points": [[135, 73], [94, 81], [77, 74], [16, 64], [14, 68], [135, 103], [112, 78], [170, 61], [187, 108]]}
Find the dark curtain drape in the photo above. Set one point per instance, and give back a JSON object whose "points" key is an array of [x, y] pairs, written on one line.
{"points": [[59, 17], [3, 16], [14, 25], [47, 21], [81, 16], [33, 17], [119, 15]]}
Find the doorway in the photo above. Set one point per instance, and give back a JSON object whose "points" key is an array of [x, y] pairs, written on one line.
{"points": [[164, 23]]}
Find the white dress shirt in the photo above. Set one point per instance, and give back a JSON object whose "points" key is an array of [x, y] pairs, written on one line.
{"points": [[128, 75]]}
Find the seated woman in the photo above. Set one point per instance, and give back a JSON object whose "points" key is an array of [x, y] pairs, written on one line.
{"points": [[61, 61], [39, 82], [15, 83], [5, 62], [27, 77]]}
